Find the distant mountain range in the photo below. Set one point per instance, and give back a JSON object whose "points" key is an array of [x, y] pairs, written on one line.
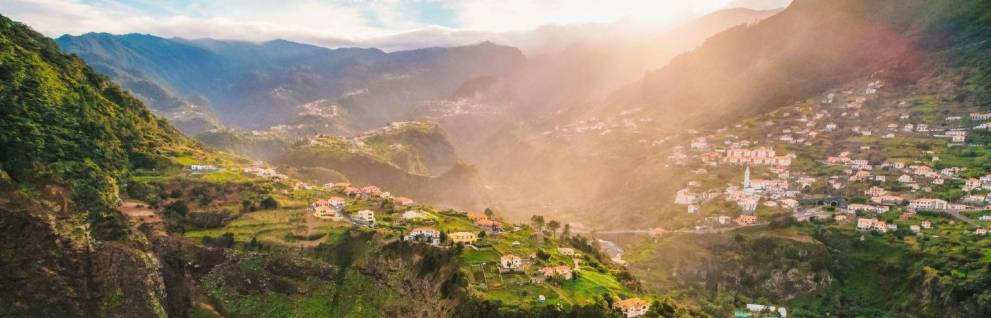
{"points": [[205, 84], [257, 85]]}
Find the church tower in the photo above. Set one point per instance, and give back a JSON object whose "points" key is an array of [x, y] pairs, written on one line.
{"points": [[746, 178]]}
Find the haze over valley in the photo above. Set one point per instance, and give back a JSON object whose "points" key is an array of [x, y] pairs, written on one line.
{"points": [[716, 158]]}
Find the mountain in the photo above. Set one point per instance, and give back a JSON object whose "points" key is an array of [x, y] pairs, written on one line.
{"points": [[586, 71], [257, 85], [71, 138], [66, 125], [829, 43], [506, 126], [620, 143], [410, 158], [108, 211]]}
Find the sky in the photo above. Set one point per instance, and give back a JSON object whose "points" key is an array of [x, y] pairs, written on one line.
{"points": [[396, 24]]}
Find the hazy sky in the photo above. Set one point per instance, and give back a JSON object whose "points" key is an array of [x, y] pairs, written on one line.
{"points": [[338, 22]]}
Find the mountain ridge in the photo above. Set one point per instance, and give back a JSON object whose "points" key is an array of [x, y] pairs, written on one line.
{"points": [[241, 79]]}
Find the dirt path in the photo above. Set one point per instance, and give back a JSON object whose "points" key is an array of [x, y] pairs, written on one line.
{"points": [[139, 214]]}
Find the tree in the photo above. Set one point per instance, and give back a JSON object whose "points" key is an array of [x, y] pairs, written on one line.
{"points": [[566, 232], [538, 222], [481, 234], [269, 203], [489, 213], [176, 210], [553, 225], [543, 255], [254, 244]]}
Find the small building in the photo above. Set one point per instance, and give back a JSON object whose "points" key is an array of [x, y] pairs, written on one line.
{"points": [[490, 225], [926, 224], [337, 203], [876, 191], [746, 219], [371, 190], [693, 208], [632, 307], [685, 197], [840, 218], [865, 224], [203, 168], [566, 251], [928, 205], [758, 310], [872, 224], [365, 217], [657, 232], [476, 217], [907, 215], [510, 263], [327, 213], [403, 201], [562, 271], [463, 237], [867, 208], [424, 234], [981, 231]]}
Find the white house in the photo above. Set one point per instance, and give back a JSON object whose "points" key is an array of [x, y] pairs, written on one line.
{"points": [[928, 204], [365, 217], [327, 213], [872, 224], [867, 208], [425, 234], [685, 197], [203, 168], [693, 208], [748, 204], [336, 203], [905, 178], [957, 136]]}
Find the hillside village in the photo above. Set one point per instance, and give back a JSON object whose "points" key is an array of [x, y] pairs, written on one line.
{"points": [[503, 259], [847, 157], [521, 265], [834, 159]]}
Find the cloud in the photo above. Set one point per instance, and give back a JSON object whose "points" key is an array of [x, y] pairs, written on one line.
{"points": [[387, 24]]}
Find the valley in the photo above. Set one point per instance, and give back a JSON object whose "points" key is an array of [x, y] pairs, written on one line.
{"points": [[821, 159]]}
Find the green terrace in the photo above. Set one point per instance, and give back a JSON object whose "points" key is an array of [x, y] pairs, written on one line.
{"points": [[284, 228]]}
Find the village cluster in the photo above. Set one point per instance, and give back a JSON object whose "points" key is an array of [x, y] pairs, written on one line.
{"points": [[889, 184], [420, 226]]}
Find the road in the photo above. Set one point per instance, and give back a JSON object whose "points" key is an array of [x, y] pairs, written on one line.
{"points": [[961, 217], [699, 231]]}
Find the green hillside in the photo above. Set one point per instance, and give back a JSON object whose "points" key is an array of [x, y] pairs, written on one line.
{"points": [[63, 124]]}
